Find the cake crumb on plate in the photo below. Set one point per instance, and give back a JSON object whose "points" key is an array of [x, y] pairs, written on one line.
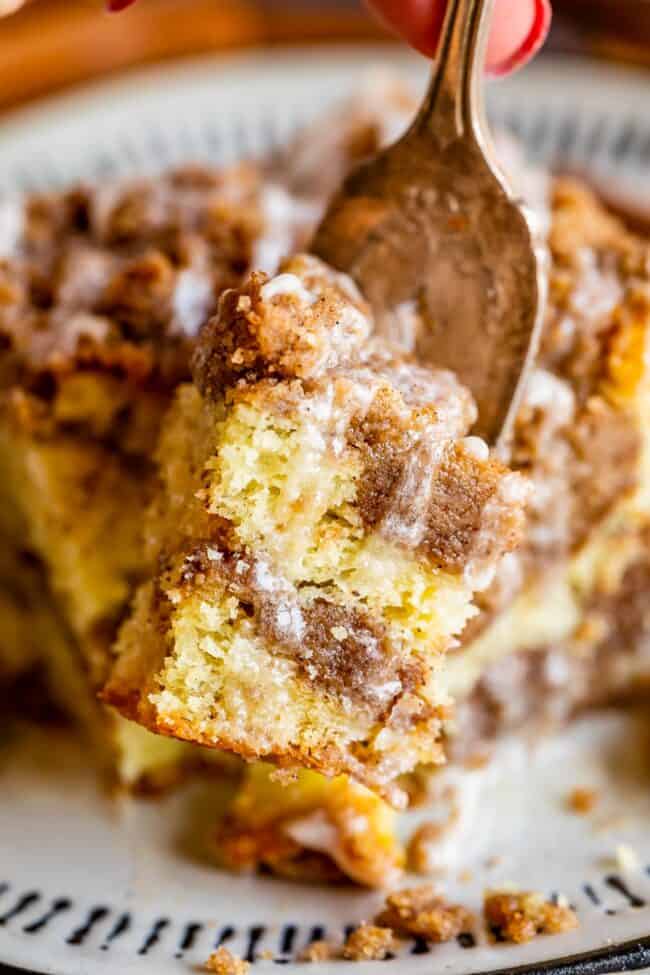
{"points": [[582, 800], [223, 962], [318, 951], [522, 916], [369, 943], [422, 912]]}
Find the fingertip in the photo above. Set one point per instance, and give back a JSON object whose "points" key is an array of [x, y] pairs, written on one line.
{"points": [[518, 33]]}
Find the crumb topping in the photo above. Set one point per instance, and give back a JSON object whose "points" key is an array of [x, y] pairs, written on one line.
{"points": [[300, 324], [301, 341], [369, 943], [522, 916], [118, 279], [423, 913]]}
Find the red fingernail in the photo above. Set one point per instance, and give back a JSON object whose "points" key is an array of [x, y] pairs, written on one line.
{"points": [[530, 47], [115, 5]]}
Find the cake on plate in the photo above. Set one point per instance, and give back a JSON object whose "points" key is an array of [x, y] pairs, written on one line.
{"points": [[332, 574]]}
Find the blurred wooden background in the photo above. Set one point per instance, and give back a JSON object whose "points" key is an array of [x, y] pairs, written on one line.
{"points": [[49, 44]]}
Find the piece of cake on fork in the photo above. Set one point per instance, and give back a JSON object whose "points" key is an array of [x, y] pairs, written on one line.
{"points": [[322, 522]]}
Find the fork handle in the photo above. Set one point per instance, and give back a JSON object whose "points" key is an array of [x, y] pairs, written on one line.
{"points": [[454, 103]]}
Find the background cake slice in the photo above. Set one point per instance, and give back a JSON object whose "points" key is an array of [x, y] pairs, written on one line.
{"points": [[102, 293], [322, 523], [565, 627]]}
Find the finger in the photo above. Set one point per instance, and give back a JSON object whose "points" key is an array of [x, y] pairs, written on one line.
{"points": [[418, 21], [518, 31]]}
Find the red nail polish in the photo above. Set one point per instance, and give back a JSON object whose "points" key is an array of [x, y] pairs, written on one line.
{"points": [[532, 44]]}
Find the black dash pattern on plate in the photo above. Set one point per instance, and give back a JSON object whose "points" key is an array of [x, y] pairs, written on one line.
{"points": [[226, 934], [153, 935], [190, 935], [121, 926], [420, 947], [618, 884], [255, 935], [23, 902], [79, 935], [288, 939], [59, 906], [592, 895]]}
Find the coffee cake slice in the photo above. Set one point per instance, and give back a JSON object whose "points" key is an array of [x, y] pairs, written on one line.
{"points": [[322, 523], [102, 292]]}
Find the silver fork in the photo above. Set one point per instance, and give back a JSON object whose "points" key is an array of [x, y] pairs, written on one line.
{"points": [[431, 224]]}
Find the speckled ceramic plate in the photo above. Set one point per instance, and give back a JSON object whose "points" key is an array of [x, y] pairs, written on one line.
{"points": [[91, 885]]}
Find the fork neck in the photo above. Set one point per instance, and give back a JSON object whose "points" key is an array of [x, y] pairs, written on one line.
{"points": [[454, 105]]}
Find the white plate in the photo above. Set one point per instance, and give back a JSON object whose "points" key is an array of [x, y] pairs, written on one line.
{"points": [[90, 886]]}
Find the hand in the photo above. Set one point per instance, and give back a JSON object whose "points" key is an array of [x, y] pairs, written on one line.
{"points": [[519, 30]]}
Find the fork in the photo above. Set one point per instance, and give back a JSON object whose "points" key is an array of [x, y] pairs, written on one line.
{"points": [[432, 233]]}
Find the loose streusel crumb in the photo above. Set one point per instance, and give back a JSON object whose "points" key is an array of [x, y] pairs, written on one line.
{"points": [[582, 801], [369, 943], [421, 912], [318, 951], [521, 916], [223, 962]]}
